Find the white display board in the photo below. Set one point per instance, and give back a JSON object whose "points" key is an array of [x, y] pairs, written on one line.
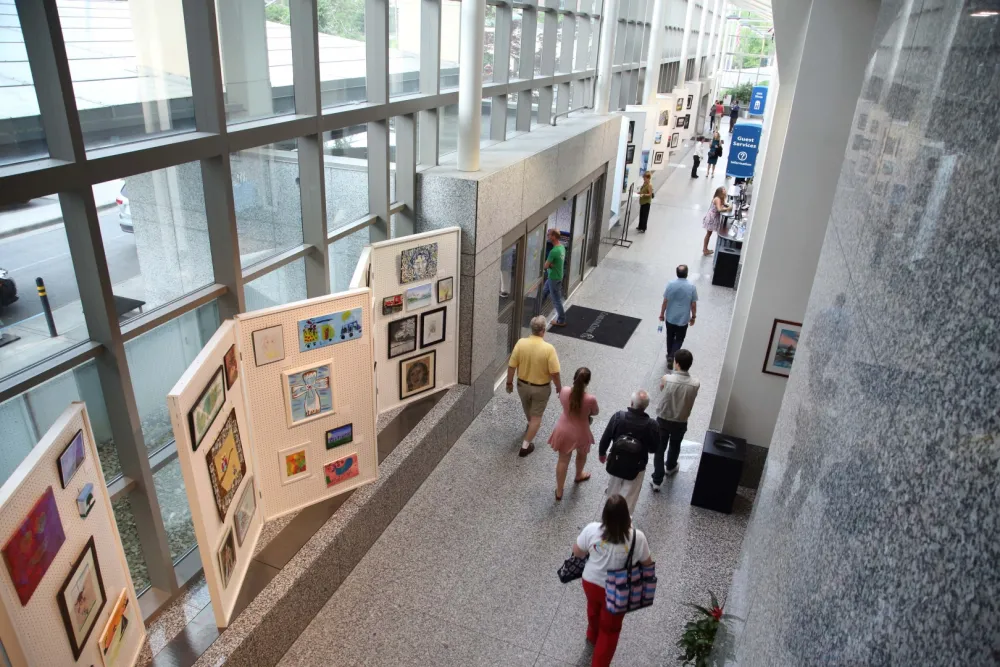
{"points": [[212, 531], [35, 632], [401, 374]]}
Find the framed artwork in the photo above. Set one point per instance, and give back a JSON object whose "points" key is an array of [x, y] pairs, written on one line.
{"points": [[294, 464], [418, 263], [687, 121], [206, 409], [446, 289], [71, 459], [308, 393], [226, 466], [402, 336], [432, 327], [331, 329], [85, 500], [268, 345], [631, 131], [31, 549], [680, 122], [658, 157], [341, 435], [227, 558], [781, 347], [629, 153], [232, 368], [341, 470], [418, 297], [392, 304], [658, 137], [625, 181], [690, 100], [417, 374], [663, 119], [81, 598], [113, 637], [680, 104], [674, 139], [245, 509]]}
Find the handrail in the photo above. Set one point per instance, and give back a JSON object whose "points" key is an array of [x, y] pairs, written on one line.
{"points": [[566, 113]]}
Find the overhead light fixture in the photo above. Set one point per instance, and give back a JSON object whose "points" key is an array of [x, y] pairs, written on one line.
{"points": [[985, 13]]}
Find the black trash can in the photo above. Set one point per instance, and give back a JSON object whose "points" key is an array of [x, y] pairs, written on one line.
{"points": [[719, 472]]}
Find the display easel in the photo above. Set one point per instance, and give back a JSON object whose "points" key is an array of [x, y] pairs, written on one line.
{"points": [[622, 241]]}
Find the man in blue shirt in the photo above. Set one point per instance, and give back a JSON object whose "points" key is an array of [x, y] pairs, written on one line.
{"points": [[679, 309]]}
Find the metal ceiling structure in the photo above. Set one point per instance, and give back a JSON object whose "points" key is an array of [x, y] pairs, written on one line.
{"points": [[761, 7]]}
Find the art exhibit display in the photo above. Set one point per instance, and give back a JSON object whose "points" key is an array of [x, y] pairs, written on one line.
{"points": [[658, 137], [317, 332], [227, 558], [658, 157], [268, 345], [625, 181], [432, 327], [781, 347], [113, 636], [416, 374], [30, 550], [341, 435], [690, 101], [226, 465], [675, 139], [664, 118], [418, 263], [206, 408], [629, 153], [631, 131], [245, 509], [71, 459], [392, 304], [232, 367], [82, 598], [687, 121], [294, 464], [85, 500], [680, 104], [308, 393], [446, 289], [341, 470], [680, 122], [402, 336], [419, 297]]}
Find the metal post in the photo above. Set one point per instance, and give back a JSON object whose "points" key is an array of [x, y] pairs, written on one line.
{"points": [[470, 83], [685, 40], [609, 26], [654, 54], [46, 308]]}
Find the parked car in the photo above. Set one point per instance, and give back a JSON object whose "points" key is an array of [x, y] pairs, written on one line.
{"points": [[8, 289], [124, 212]]}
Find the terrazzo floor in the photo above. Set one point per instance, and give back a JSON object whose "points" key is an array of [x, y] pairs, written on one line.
{"points": [[465, 574]]}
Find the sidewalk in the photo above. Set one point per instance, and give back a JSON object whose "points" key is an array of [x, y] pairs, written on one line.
{"points": [[46, 211]]}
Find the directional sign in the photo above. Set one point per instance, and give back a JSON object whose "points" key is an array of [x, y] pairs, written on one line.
{"points": [[743, 150], [758, 101]]}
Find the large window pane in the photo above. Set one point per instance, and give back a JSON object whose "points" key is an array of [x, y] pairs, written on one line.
{"points": [[266, 195], [175, 509], [129, 65], [515, 42], [342, 51], [344, 255], [447, 129], [404, 47], [21, 133], [130, 541], [484, 128], [451, 26], [281, 286], [489, 43], [345, 157]]}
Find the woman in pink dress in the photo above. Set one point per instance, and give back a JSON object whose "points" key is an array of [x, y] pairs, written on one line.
{"points": [[712, 221], [572, 431]]}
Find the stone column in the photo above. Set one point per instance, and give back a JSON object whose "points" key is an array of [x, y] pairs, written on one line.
{"points": [[470, 83]]}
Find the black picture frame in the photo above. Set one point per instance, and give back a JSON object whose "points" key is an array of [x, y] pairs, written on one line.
{"points": [[674, 139], [90, 548], [629, 153], [658, 157], [195, 440], [396, 324], [687, 121], [349, 437], [444, 326], [680, 122], [451, 285], [631, 129], [690, 101], [403, 394], [59, 460]]}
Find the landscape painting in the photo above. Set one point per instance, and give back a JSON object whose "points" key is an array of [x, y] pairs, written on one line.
{"points": [[781, 349]]}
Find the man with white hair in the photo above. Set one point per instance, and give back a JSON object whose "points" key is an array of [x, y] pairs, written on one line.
{"points": [[632, 436], [537, 366]]}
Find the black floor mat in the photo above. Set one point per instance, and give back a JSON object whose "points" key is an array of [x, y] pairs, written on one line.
{"points": [[597, 326]]}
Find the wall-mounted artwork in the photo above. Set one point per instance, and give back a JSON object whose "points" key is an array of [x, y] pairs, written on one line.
{"points": [[308, 393], [206, 408], [625, 181], [402, 336], [71, 459], [268, 345], [341, 470], [631, 131], [690, 101], [30, 550], [227, 558], [226, 466], [418, 263], [417, 374], [245, 509], [658, 137], [680, 104], [419, 297], [432, 327], [675, 139], [629, 153], [232, 368], [781, 348], [446, 289], [392, 304], [85, 500], [294, 464], [658, 157], [664, 118], [687, 121], [82, 598], [117, 628], [341, 435], [317, 332], [680, 122]]}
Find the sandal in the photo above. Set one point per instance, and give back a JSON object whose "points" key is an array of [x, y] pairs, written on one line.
{"points": [[558, 496], [580, 480]]}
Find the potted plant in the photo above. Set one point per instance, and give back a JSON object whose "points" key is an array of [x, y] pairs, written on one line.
{"points": [[702, 632]]}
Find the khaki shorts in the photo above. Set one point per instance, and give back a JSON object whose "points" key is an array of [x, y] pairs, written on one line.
{"points": [[533, 399]]}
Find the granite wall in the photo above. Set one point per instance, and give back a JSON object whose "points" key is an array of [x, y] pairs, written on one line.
{"points": [[874, 539]]}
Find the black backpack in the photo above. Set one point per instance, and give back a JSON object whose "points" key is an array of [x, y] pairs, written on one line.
{"points": [[627, 457]]}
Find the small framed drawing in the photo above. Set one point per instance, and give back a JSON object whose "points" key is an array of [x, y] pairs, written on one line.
{"points": [[680, 104], [631, 131], [658, 137], [245, 509], [446, 289], [81, 598], [630, 154], [85, 500], [432, 326], [417, 374], [232, 368], [112, 638], [392, 304], [674, 139], [402, 336], [781, 347], [680, 122], [690, 100], [71, 459], [308, 393], [341, 435], [294, 463], [658, 157], [663, 120], [227, 558], [418, 263], [268, 345], [226, 465], [418, 297], [341, 470], [206, 408]]}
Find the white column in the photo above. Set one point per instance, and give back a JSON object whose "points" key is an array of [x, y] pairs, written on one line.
{"points": [[609, 25], [723, 38], [655, 53], [701, 39], [470, 83], [682, 70], [713, 43]]}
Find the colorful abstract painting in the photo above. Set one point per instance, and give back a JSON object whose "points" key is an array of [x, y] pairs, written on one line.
{"points": [[226, 465], [341, 470], [31, 549], [113, 637], [418, 263], [294, 464], [340, 327], [308, 393]]}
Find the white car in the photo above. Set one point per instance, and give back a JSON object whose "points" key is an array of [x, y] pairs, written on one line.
{"points": [[124, 213]]}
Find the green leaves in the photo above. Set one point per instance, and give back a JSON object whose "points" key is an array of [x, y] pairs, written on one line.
{"points": [[699, 634]]}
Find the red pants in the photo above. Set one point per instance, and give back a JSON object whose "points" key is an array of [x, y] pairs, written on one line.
{"points": [[603, 627]]}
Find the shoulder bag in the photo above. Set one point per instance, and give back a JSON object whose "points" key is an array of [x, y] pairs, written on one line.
{"points": [[572, 568], [632, 587]]}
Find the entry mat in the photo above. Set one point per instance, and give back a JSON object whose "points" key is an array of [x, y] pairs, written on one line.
{"points": [[597, 326]]}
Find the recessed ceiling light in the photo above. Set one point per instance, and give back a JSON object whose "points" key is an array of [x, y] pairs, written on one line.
{"points": [[985, 13]]}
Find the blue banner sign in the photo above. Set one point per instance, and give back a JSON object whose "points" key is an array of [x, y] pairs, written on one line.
{"points": [[758, 101], [743, 148]]}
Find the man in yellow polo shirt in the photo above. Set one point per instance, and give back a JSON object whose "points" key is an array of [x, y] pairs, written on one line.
{"points": [[537, 366]]}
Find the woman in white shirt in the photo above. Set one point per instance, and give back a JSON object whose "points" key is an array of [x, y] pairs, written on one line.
{"points": [[607, 544]]}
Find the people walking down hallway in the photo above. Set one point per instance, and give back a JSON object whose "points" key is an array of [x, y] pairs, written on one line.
{"points": [[537, 366], [679, 310], [572, 432], [712, 222], [632, 436], [678, 393]]}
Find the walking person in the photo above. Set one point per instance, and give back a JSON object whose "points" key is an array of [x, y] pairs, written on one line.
{"points": [[679, 309], [696, 159], [537, 367], [678, 392], [711, 117], [572, 431], [606, 546], [712, 222], [645, 199], [554, 264], [714, 153], [719, 110], [734, 114], [632, 436]]}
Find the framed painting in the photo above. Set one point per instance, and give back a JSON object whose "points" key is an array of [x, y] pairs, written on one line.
{"points": [[679, 122], [417, 374], [113, 636], [687, 121], [341, 435], [663, 119], [658, 137], [658, 157], [308, 393], [294, 464], [226, 465], [630, 154], [402, 336], [392, 304], [418, 297], [625, 181], [206, 408], [418, 263], [432, 326], [331, 329], [85, 500], [680, 104], [690, 101], [631, 131], [675, 139], [341, 470], [268, 345], [446, 289], [227, 558], [231, 366], [31, 549], [81, 598], [781, 347], [245, 509], [71, 459]]}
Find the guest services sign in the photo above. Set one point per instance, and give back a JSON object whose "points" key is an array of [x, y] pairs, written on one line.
{"points": [[745, 144]]}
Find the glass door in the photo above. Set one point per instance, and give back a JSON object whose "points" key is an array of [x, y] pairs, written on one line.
{"points": [[507, 331], [594, 223], [578, 239], [534, 257]]}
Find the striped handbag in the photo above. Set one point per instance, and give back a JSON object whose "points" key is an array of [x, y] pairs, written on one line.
{"points": [[632, 587]]}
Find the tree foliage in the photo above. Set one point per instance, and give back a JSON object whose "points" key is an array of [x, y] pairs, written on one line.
{"points": [[343, 18]]}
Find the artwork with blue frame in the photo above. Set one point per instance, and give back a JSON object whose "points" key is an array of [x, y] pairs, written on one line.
{"points": [[340, 327]]}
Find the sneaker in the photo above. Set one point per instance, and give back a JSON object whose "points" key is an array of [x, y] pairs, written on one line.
{"points": [[673, 471], [557, 323], [656, 487], [524, 451]]}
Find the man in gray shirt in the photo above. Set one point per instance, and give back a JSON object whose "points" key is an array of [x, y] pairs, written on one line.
{"points": [[678, 392]]}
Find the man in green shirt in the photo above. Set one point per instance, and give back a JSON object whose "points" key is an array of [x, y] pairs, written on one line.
{"points": [[553, 282]]}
